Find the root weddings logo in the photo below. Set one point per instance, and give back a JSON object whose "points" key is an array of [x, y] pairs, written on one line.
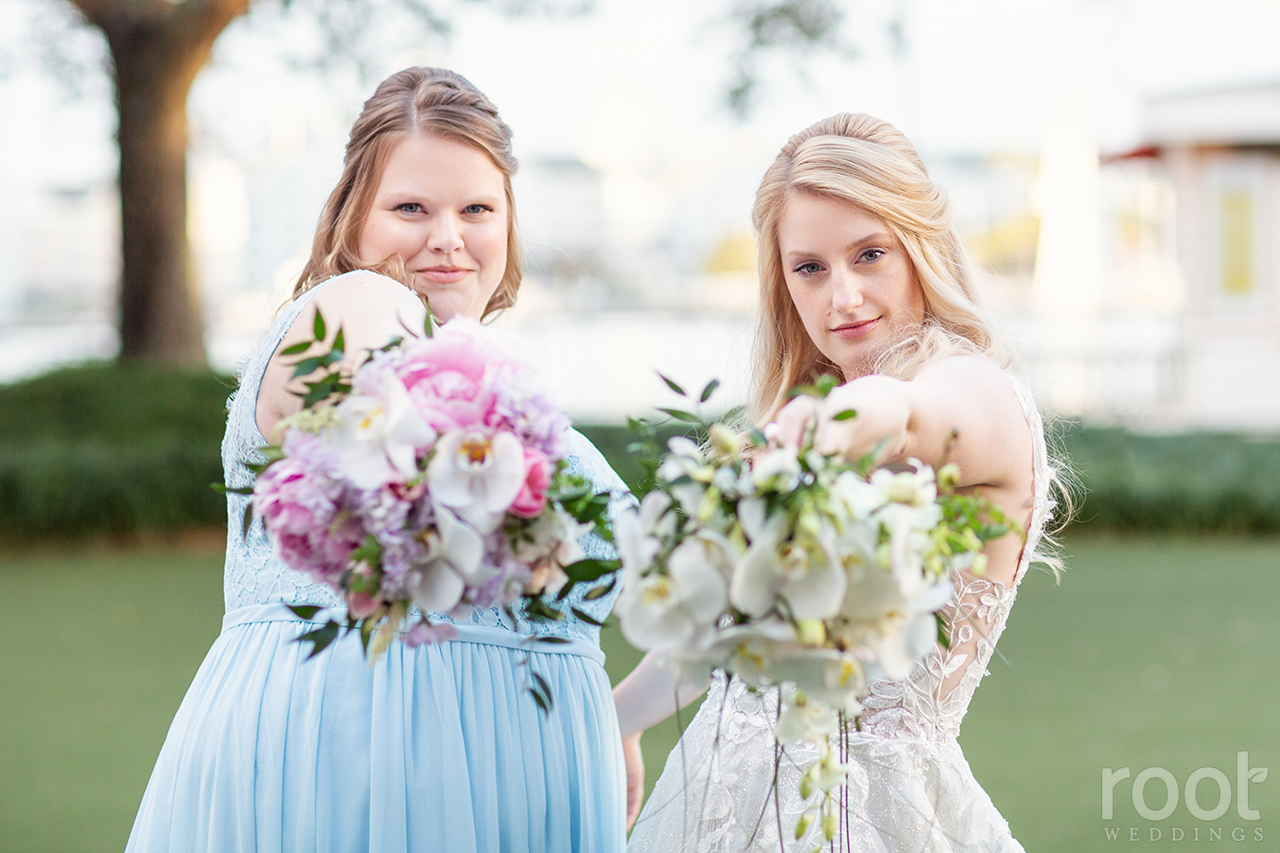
{"points": [[1207, 793]]}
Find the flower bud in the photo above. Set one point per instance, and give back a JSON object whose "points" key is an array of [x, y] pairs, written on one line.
{"points": [[724, 439], [949, 477], [811, 632]]}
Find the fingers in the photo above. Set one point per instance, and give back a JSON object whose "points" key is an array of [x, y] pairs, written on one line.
{"points": [[633, 759], [802, 414]]}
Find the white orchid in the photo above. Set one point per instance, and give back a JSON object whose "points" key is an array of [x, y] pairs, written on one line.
{"points": [[896, 629], [375, 435], [679, 609], [805, 570], [776, 469], [478, 474], [685, 460], [916, 487], [639, 531], [453, 561], [803, 719]]}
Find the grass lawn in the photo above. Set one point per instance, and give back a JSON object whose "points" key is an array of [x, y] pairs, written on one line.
{"points": [[1152, 653]]}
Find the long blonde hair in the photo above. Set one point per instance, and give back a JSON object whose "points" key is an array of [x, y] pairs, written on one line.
{"points": [[855, 158], [415, 100]]}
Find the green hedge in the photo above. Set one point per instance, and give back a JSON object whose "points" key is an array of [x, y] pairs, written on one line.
{"points": [[1188, 481], [110, 449]]}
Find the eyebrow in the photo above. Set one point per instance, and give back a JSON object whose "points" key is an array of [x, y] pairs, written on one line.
{"points": [[878, 237]]}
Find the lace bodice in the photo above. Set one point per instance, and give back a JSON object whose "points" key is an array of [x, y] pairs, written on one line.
{"points": [[932, 700], [254, 574]]}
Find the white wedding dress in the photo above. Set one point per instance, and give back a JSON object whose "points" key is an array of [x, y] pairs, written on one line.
{"points": [[910, 789]]}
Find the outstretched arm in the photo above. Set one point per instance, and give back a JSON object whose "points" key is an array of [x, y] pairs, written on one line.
{"points": [[961, 409], [647, 696]]}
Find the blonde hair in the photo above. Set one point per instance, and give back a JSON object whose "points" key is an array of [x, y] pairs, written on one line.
{"points": [[415, 100], [866, 162]]}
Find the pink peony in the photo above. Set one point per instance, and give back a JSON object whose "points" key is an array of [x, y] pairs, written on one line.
{"points": [[532, 499], [298, 506], [448, 375]]}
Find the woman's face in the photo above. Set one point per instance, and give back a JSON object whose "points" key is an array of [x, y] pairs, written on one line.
{"points": [[441, 205], [849, 278]]}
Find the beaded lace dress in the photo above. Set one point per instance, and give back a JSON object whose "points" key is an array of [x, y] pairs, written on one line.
{"points": [[910, 789]]}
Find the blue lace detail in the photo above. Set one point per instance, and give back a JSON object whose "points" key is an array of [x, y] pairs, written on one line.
{"points": [[254, 574]]}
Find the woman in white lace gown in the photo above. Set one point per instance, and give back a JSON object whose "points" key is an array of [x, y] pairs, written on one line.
{"points": [[864, 278]]}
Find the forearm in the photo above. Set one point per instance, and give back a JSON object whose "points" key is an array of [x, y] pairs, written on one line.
{"points": [[650, 694]]}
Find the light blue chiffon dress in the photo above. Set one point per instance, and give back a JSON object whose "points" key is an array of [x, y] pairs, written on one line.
{"points": [[434, 748]]}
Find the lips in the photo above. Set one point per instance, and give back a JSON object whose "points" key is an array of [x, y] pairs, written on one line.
{"points": [[444, 274], [855, 330]]}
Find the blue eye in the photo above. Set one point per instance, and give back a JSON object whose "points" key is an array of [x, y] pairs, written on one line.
{"points": [[477, 209], [809, 268], [409, 207], [871, 255]]}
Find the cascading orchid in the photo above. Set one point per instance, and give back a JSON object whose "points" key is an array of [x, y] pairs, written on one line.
{"points": [[786, 567]]}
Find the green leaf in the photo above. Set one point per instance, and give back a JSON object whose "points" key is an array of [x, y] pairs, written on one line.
{"points": [[542, 686], [297, 349], [599, 591], [339, 343], [318, 326], [544, 704], [321, 637], [846, 415], [709, 390], [369, 552], [307, 366], [248, 521], [304, 611], [672, 385], [585, 571], [587, 617], [682, 415]]}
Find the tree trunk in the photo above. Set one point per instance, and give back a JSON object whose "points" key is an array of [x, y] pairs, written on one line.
{"points": [[160, 316], [157, 47]]}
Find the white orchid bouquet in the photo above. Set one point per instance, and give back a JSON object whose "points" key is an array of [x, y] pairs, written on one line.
{"points": [[432, 480], [786, 567]]}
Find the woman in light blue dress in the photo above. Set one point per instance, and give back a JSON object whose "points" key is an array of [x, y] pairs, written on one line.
{"points": [[435, 748]]}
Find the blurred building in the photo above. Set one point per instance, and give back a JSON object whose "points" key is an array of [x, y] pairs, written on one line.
{"points": [[1157, 288]]}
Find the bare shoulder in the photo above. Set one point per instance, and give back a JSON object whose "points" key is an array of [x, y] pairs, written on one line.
{"points": [[365, 300], [370, 309], [975, 402]]}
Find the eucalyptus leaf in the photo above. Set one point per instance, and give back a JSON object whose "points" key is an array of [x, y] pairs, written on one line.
{"points": [[297, 349], [682, 415], [599, 591], [318, 326], [587, 617], [709, 390], [672, 385], [304, 611]]}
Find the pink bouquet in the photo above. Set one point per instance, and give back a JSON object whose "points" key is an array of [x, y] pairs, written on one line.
{"points": [[434, 481]]}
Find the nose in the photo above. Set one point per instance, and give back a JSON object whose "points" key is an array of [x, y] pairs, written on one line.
{"points": [[445, 236], [846, 292]]}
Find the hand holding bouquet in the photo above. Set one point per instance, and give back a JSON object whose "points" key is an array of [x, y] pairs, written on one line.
{"points": [[431, 480]]}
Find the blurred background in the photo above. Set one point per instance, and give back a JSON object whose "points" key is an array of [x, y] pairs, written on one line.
{"points": [[1114, 163]]}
